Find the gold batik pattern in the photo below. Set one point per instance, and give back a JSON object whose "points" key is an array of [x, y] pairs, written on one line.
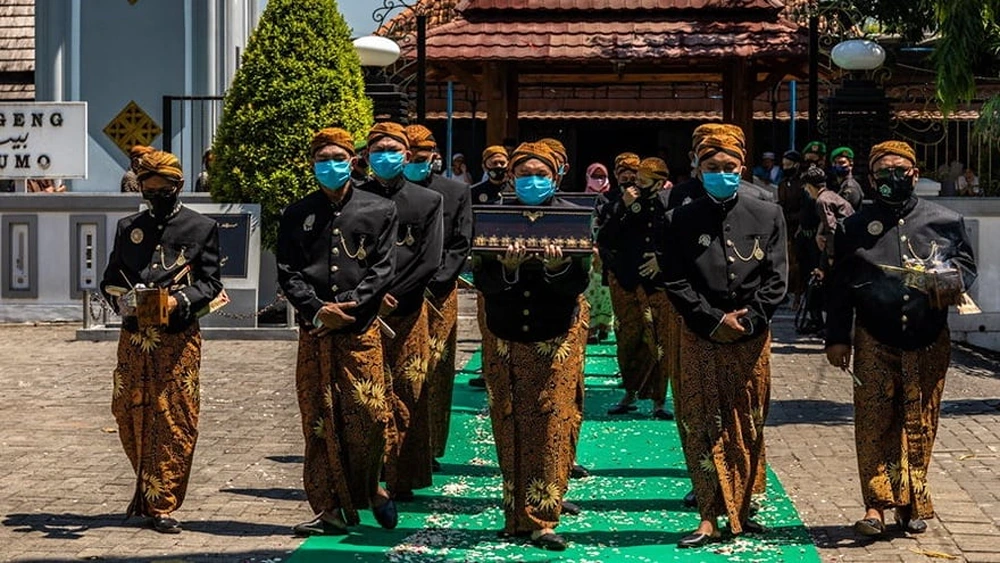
{"points": [[721, 394], [156, 400], [643, 339], [896, 411], [407, 356], [443, 330], [344, 398], [534, 440]]}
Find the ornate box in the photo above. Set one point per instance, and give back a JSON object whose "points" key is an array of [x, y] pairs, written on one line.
{"points": [[151, 307], [497, 227]]}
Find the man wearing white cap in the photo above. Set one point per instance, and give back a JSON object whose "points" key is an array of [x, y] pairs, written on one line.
{"points": [[767, 172]]}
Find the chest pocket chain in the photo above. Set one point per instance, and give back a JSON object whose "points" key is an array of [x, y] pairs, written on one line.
{"points": [[361, 253], [408, 240], [757, 253]]}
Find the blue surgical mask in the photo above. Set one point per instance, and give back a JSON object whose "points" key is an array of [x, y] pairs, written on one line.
{"points": [[386, 164], [417, 171], [533, 190], [841, 170], [721, 185], [332, 174]]}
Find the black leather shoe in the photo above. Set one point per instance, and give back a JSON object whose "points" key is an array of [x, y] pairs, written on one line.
{"points": [[435, 465], [318, 527], [754, 508], [869, 527], [661, 414], [477, 382], [386, 514], [570, 508], [690, 500], [166, 525], [551, 542], [752, 527], [578, 472], [698, 540], [622, 408], [914, 526]]}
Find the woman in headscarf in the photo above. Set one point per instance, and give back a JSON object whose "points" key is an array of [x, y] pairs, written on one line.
{"points": [[602, 318], [533, 354]]}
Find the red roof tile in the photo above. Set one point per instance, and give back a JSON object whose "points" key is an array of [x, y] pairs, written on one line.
{"points": [[630, 40], [655, 5]]}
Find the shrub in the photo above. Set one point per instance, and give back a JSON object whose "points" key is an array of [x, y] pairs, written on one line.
{"points": [[299, 73]]}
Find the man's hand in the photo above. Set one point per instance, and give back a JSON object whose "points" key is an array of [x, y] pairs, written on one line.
{"points": [[630, 195], [553, 259], [651, 267], [333, 316], [389, 305], [126, 304], [597, 263], [839, 355], [821, 242], [515, 256], [730, 329], [171, 304]]}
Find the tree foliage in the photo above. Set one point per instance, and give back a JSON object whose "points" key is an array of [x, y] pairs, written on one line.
{"points": [[300, 73], [965, 35]]}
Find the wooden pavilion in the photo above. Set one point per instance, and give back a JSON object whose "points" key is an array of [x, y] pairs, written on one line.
{"points": [[501, 49]]}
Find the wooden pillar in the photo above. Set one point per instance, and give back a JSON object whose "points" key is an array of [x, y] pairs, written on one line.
{"points": [[744, 84], [500, 92]]}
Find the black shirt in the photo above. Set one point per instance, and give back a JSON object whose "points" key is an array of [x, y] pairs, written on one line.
{"points": [[419, 241], [457, 219], [486, 192], [179, 252], [337, 252], [718, 258], [626, 234], [878, 235], [530, 305]]}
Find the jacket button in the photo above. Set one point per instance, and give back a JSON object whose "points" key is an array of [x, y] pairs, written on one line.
{"points": [[525, 328], [159, 246], [334, 268], [906, 257], [901, 222], [526, 312], [336, 231], [732, 276], [904, 319], [906, 297], [334, 288], [649, 224], [155, 266], [335, 252], [732, 260], [729, 243], [902, 238], [647, 239], [527, 294]]}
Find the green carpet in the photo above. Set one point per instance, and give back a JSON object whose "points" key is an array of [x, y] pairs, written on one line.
{"points": [[632, 508]]}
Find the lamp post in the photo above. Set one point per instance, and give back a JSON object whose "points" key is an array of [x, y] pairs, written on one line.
{"points": [[377, 53], [858, 114]]}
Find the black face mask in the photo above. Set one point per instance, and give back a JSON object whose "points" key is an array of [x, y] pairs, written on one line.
{"points": [[626, 185], [894, 189], [497, 173], [437, 166], [161, 203]]}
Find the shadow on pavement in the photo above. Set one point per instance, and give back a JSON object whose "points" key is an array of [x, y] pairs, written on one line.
{"points": [[73, 526], [286, 458], [261, 556], [273, 493], [830, 413]]}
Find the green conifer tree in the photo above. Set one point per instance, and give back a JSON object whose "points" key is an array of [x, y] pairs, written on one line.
{"points": [[299, 73]]}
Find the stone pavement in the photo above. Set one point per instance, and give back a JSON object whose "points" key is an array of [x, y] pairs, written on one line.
{"points": [[65, 482]]}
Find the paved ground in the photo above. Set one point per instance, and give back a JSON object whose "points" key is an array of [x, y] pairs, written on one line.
{"points": [[64, 481]]}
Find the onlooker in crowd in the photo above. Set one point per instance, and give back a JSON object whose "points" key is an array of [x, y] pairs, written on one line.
{"points": [[130, 182], [766, 171], [968, 184], [201, 183], [459, 171]]}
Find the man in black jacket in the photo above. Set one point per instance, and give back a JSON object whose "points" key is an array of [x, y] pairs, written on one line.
{"points": [[336, 254], [170, 253], [899, 265], [442, 291], [419, 245]]}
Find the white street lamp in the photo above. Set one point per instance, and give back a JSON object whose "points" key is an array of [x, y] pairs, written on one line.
{"points": [[376, 51], [858, 54]]}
